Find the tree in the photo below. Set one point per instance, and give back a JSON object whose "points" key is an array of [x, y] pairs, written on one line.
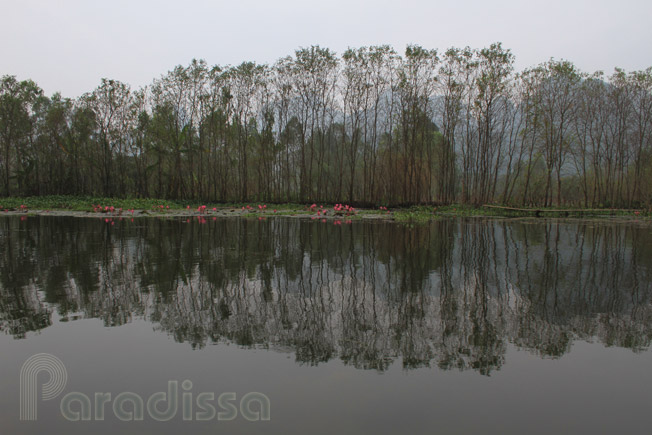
{"points": [[110, 103], [16, 125]]}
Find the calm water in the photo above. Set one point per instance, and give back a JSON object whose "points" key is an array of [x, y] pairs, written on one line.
{"points": [[458, 326]]}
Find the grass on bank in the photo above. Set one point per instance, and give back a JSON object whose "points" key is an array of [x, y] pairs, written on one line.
{"points": [[420, 213], [86, 203]]}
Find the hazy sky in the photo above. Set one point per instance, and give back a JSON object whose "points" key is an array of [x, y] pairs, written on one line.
{"points": [[68, 45]]}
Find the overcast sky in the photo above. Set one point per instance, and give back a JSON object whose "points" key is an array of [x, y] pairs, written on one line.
{"points": [[68, 45]]}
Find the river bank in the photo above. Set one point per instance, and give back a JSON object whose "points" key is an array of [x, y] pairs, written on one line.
{"points": [[132, 208]]}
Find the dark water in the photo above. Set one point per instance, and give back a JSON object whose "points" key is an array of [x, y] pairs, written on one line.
{"points": [[458, 326]]}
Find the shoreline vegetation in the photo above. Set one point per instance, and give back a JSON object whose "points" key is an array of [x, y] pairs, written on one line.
{"points": [[369, 126], [140, 207]]}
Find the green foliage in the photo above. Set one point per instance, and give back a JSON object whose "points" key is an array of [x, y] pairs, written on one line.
{"points": [[368, 127]]}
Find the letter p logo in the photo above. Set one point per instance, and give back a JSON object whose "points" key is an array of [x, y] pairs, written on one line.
{"points": [[41, 362]]}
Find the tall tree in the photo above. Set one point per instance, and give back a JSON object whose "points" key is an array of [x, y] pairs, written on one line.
{"points": [[16, 125]]}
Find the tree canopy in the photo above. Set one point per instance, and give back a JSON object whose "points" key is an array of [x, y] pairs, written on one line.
{"points": [[370, 126]]}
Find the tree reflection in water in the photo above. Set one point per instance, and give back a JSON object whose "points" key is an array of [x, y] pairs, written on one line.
{"points": [[451, 294]]}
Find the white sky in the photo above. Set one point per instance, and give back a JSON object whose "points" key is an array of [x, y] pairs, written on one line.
{"points": [[68, 45]]}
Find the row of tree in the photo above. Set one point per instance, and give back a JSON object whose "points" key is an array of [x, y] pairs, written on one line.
{"points": [[367, 127]]}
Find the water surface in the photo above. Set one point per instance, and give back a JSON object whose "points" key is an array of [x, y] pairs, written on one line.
{"points": [[457, 326]]}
